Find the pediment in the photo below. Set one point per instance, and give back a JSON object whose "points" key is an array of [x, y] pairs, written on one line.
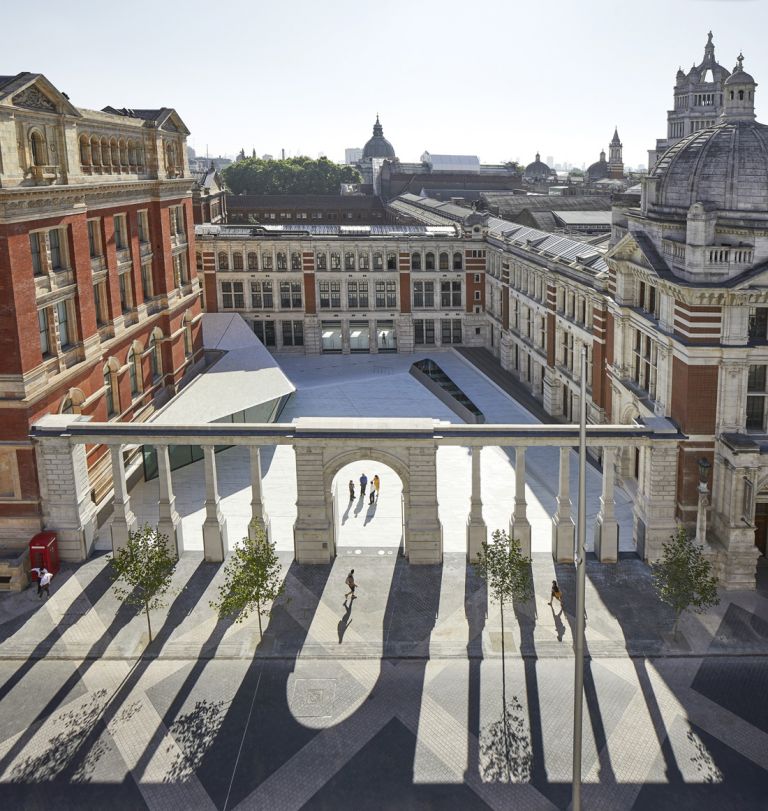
{"points": [[34, 92], [170, 121]]}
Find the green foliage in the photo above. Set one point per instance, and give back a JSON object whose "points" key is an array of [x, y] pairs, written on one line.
{"points": [[506, 569], [252, 579], [683, 576], [143, 570], [300, 175]]}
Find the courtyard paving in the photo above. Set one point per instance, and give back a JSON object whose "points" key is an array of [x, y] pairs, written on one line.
{"points": [[417, 695]]}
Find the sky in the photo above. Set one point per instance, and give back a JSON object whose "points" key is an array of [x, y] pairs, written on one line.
{"points": [[499, 79]]}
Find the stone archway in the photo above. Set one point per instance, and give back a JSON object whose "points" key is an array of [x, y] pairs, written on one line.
{"points": [[316, 466]]}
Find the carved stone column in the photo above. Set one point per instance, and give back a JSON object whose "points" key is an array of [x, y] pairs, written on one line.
{"points": [[563, 527], [606, 526], [477, 532], [123, 520], [313, 540], [519, 525], [170, 522], [215, 543]]}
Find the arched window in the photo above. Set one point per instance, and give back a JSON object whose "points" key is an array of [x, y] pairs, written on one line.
{"points": [[237, 260], [140, 156], [378, 261], [295, 261], [85, 151], [123, 154], [321, 261], [429, 261], [105, 154], [335, 261], [282, 261], [223, 261], [155, 358], [73, 402], [110, 392], [132, 153], [349, 260], [66, 406], [741, 95], [457, 260], [95, 152], [253, 260], [391, 261], [444, 261], [187, 324], [134, 371], [170, 154], [114, 151], [39, 152], [415, 261]]}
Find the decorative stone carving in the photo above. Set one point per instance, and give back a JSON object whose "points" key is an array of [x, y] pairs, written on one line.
{"points": [[34, 99]]}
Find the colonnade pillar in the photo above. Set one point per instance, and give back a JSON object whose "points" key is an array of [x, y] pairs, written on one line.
{"points": [[519, 525], [170, 522], [123, 520], [477, 532], [606, 526], [215, 543], [563, 527], [258, 516]]}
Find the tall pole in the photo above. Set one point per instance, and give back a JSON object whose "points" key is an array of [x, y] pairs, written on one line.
{"points": [[579, 554]]}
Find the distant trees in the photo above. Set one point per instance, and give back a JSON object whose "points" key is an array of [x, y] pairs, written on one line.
{"points": [[300, 175], [683, 577]]}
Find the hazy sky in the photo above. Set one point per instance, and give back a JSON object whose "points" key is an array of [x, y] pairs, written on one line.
{"points": [[497, 78]]}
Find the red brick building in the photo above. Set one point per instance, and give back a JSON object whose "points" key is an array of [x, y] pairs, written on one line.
{"points": [[99, 296]]}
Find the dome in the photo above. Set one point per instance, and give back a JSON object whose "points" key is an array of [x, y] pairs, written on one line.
{"points": [[537, 171], [599, 169], [726, 165], [378, 146]]}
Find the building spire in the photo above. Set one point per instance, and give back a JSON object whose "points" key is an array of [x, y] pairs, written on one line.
{"points": [[709, 48], [377, 128]]}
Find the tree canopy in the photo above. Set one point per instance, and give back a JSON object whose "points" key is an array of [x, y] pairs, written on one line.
{"points": [[300, 175]]}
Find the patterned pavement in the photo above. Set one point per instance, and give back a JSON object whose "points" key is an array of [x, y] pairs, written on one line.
{"points": [[416, 697]]}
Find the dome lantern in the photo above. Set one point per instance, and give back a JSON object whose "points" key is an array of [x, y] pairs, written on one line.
{"points": [[739, 95]]}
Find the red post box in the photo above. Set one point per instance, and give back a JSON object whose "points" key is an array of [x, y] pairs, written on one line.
{"points": [[44, 551]]}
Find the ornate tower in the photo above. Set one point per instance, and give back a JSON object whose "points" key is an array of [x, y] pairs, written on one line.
{"points": [[615, 160]]}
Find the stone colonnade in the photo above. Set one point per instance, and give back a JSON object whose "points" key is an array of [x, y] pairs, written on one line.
{"points": [[322, 448]]}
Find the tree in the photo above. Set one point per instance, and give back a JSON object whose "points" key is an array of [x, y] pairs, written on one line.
{"points": [[252, 579], [506, 570], [299, 175], [143, 568], [683, 577]]}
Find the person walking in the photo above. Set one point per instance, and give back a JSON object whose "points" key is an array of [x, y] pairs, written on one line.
{"points": [[556, 594], [44, 578], [351, 490], [351, 585], [376, 485], [363, 484]]}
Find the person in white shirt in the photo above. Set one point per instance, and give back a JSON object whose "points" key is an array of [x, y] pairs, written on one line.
{"points": [[44, 578]]}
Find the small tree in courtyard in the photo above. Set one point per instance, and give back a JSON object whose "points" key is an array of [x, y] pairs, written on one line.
{"points": [[143, 570], [252, 580], [683, 577], [506, 570]]}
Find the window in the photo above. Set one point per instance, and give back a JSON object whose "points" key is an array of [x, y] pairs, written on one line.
{"points": [[121, 233], [756, 397], [99, 300], [265, 332], [644, 368], [378, 261], [295, 261], [45, 339], [54, 246], [335, 261], [364, 261], [34, 247], [261, 296], [146, 280], [349, 260], [758, 323], [444, 261], [223, 261], [110, 393], [391, 261], [237, 261], [424, 332], [429, 261], [457, 261], [266, 261], [85, 152], [290, 295], [253, 261], [62, 313], [450, 295], [126, 292], [415, 261], [94, 242], [180, 275], [156, 358], [187, 326], [39, 152], [143, 227], [134, 371], [424, 295], [293, 333], [282, 261], [357, 295], [177, 221], [232, 296], [321, 261], [450, 331], [335, 295], [648, 299]]}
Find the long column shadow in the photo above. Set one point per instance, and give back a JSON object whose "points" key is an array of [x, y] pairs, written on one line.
{"points": [[475, 610]]}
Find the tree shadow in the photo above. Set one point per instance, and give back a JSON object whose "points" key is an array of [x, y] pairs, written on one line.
{"points": [[506, 755]]}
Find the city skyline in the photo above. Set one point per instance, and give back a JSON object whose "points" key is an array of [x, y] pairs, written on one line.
{"points": [[589, 68]]}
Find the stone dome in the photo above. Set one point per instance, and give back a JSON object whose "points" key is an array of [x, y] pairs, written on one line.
{"points": [[599, 169], [378, 146], [726, 165], [537, 171]]}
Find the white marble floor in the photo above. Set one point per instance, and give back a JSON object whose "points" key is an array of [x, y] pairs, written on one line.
{"points": [[380, 386]]}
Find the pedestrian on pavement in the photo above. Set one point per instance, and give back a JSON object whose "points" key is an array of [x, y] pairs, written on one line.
{"points": [[556, 594], [376, 485], [351, 490], [44, 578], [350, 581], [363, 484], [373, 494]]}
